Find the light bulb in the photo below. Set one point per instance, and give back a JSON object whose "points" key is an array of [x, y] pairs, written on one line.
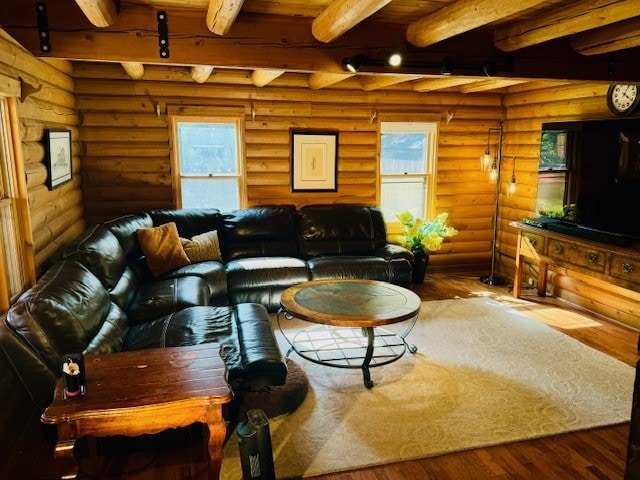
{"points": [[485, 160], [493, 174], [395, 59], [512, 185]]}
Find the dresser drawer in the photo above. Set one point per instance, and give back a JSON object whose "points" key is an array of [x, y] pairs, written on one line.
{"points": [[625, 268], [575, 254], [532, 243]]}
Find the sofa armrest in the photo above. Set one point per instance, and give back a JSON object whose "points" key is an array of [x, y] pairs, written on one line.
{"points": [[392, 252]]}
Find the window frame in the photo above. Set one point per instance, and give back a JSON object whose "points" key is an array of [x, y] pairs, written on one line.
{"points": [[13, 194], [176, 174], [431, 129]]}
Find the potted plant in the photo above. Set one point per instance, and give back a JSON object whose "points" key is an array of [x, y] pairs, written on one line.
{"points": [[421, 237]]}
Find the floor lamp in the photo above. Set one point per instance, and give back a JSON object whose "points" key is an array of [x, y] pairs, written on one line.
{"points": [[493, 166]]}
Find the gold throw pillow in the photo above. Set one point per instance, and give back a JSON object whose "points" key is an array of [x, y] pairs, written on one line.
{"points": [[203, 247], [162, 248]]}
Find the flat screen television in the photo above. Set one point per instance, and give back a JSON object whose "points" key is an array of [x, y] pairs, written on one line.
{"points": [[589, 179]]}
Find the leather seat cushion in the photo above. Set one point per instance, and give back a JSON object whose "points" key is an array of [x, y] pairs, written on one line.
{"points": [[343, 266], [262, 272], [248, 344], [212, 272], [162, 297]]}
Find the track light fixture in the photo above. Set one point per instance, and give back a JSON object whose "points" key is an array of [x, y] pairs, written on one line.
{"points": [[397, 59], [446, 67], [489, 69], [353, 64]]}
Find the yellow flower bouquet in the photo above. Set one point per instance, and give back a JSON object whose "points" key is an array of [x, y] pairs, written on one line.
{"points": [[422, 236]]}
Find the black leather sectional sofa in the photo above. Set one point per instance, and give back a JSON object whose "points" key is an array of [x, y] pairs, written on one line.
{"points": [[99, 296]]}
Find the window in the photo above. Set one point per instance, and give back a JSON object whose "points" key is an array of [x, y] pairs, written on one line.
{"points": [[14, 278], [407, 159], [553, 172], [208, 163]]}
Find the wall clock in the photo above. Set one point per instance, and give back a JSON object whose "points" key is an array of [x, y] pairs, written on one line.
{"points": [[622, 100]]}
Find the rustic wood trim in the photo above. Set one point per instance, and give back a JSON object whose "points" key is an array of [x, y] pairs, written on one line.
{"points": [[9, 87], [493, 84], [573, 18], [438, 83], [22, 198], [374, 82], [342, 15], [459, 17]]}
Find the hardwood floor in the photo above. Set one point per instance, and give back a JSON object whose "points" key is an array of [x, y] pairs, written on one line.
{"points": [[592, 454]]}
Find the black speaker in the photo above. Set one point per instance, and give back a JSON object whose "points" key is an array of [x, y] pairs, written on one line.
{"points": [[254, 441]]}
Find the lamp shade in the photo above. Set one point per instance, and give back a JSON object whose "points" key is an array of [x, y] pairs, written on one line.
{"points": [[493, 173], [485, 160]]}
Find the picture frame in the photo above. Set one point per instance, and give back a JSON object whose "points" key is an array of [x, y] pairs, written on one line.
{"points": [[314, 161], [57, 147]]}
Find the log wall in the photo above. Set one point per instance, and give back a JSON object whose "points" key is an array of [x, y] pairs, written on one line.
{"points": [[527, 107], [48, 101], [126, 144]]}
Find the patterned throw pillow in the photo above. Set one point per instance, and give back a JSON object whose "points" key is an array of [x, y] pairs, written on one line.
{"points": [[162, 249], [203, 247]]}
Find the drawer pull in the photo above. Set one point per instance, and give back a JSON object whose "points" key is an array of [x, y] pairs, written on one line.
{"points": [[592, 257], [559, 249], [627, 268], [533, 242]]}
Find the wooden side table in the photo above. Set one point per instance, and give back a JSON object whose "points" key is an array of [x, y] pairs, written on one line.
{"points": [[145, 391]]}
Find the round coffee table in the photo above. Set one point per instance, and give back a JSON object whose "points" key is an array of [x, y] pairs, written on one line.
{"points": [[350, 315]]}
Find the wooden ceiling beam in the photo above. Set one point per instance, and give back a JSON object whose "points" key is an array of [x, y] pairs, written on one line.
{"points": [[461, 16], [135, 70], [100, 13], [439, 83], [200, 73], [373, 82], [341, 16], [221, 14], [285, 43], [619, 36], [574, 18], [260, 78], [320, 80]]}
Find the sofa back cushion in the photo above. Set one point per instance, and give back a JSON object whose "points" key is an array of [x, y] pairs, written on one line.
{"points": [[189, 221], [103, 255], [124, 228], [344, 229], [265, 231], [61, 313]]}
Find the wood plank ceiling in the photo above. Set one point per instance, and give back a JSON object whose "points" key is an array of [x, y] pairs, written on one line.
{"points": [[467, 45]]}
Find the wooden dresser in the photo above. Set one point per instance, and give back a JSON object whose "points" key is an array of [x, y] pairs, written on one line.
{"points": [[616, 265]]}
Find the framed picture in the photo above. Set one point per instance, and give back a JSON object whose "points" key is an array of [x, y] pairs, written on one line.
{"points": [[57, 148], [314, 161]]}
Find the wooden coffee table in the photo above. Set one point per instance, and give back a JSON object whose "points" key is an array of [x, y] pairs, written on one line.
{"points": [[350, 314], [145, 391]]}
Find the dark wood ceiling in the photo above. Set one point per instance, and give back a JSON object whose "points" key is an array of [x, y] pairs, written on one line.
{"points": [[489, 44]]}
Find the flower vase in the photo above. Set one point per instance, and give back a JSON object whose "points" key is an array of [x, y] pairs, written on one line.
{"points": [[419, 267]]}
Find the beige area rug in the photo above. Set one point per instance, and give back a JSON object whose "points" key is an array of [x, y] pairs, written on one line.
{"points": [[484, 374]]}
